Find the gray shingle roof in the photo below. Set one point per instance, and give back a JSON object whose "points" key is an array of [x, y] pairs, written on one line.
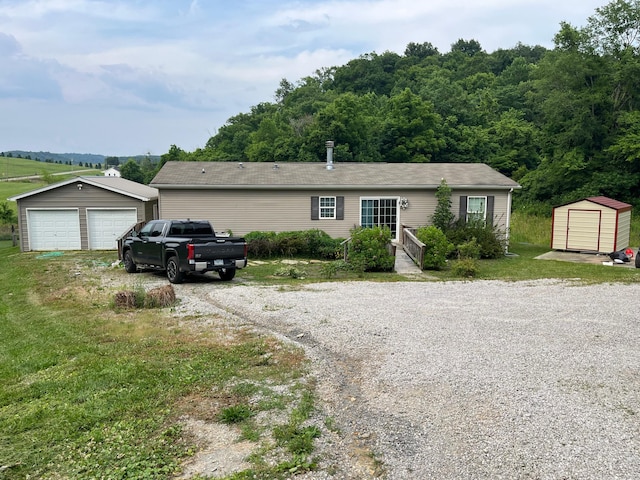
{"points": [[113, 184], [264, 175]]}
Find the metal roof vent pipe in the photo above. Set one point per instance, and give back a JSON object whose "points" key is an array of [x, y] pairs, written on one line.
{"points": [[329, 145]]}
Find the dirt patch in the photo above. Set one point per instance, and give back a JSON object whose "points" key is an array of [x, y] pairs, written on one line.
{"points": [[221, 452]]}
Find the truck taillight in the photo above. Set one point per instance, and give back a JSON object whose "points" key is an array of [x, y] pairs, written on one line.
{"points": [[246, 249], [190, 253]]}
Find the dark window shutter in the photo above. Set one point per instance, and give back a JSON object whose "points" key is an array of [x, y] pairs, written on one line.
{"points": [[463, 209], [490, 202], [315, 208], [339, 208]]}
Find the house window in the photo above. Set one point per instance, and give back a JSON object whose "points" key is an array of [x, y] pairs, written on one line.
{"points": [[328, 207], [476, 209], [380, 212]]}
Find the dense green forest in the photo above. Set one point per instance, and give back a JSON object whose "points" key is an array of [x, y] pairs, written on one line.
{"points": [[563, 122]]}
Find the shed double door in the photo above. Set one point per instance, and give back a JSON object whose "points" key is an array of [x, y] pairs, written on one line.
{"points": [[583, 230]]}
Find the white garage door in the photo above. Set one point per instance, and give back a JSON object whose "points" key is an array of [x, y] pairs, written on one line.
{"points": [[53, 229], [105, 226]]}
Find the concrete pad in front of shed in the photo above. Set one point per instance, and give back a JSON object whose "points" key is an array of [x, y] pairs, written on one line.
{"points": [[581, 257]]}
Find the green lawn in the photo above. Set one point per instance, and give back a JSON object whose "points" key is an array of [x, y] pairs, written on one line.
{"points": [[20, 167], [91, 391]]}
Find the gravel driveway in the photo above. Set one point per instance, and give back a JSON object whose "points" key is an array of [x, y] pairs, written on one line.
{"points": [[468, 380]]}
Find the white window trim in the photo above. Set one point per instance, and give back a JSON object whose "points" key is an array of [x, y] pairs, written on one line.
{"points": [[484, 212], [327, 209], [397, 200]]}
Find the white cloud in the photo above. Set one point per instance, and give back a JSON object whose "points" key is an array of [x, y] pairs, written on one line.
{"points": [[172, 71]]}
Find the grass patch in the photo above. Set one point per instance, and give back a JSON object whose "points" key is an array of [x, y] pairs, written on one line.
{"points": [[523, 266], [89, 392], [12, 167]]}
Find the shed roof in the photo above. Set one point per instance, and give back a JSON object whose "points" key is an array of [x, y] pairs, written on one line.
{"points": [[603, 201], [609, 202], [269, 175], [118, 185]]}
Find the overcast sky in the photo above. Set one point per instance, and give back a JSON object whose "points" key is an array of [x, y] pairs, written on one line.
{"points": [[130, 77]]}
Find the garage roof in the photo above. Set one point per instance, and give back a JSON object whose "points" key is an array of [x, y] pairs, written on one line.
{"points": [[114, 184]]}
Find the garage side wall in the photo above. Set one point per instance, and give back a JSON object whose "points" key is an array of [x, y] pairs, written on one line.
{"points": [[72, 197]]}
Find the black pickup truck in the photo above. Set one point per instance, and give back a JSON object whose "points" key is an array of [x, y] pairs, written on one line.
{"points": [[181, 247]]}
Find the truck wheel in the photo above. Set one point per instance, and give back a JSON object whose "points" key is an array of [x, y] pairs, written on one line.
{"points": [[227, 274], [129, 264], [173, 270]]}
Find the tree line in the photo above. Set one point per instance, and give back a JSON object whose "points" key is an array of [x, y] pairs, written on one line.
{"points": [[563, 122]]}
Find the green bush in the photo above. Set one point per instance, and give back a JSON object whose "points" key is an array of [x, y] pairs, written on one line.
{"points": [[292, 272], [306, 243], [331, 269], [464, 267], [488, 238], [469, 249], [368, 249], [437, 247]]}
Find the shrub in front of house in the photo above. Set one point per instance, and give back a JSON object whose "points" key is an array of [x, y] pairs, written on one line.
{"points": [[260, 244], [368, 249], [464, 267], [469, 249], [304, 243], [489, 239], [437, 248]]}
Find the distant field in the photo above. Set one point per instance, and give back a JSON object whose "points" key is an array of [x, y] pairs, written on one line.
{"points": [[19, 167]]}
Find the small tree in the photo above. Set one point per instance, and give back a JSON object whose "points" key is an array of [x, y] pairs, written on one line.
{"points": [[111, 162], [131, 171], [7, 215], [443, 217]]}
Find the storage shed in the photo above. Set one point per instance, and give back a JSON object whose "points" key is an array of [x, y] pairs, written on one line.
{"points": [[83, 213], [594, 224]]}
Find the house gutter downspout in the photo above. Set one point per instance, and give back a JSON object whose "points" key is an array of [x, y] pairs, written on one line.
{"points": [[508, 231]]}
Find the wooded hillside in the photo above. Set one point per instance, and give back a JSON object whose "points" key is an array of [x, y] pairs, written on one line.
{"points": [[564, 122]]}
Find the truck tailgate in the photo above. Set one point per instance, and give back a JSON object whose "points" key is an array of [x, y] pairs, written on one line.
{"points": [[220, 249]]}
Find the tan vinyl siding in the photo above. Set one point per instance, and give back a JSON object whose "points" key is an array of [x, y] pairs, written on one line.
{"points": [[559, 228], [624, 230], [244, 211], [70, 196], [500, 207]]}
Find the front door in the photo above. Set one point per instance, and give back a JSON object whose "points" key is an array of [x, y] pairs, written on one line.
{"points": [[380, 212]]}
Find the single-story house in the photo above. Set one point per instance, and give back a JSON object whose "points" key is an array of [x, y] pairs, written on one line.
{"points": [[261, 196], [83, 213], [112, 172], [594, 224]]}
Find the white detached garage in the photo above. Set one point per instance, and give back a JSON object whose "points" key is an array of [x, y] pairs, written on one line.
{"points": [[594, 224], [83, 213]]}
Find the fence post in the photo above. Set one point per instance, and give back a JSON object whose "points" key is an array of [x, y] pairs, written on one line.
{"points": [[14, 241]]}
